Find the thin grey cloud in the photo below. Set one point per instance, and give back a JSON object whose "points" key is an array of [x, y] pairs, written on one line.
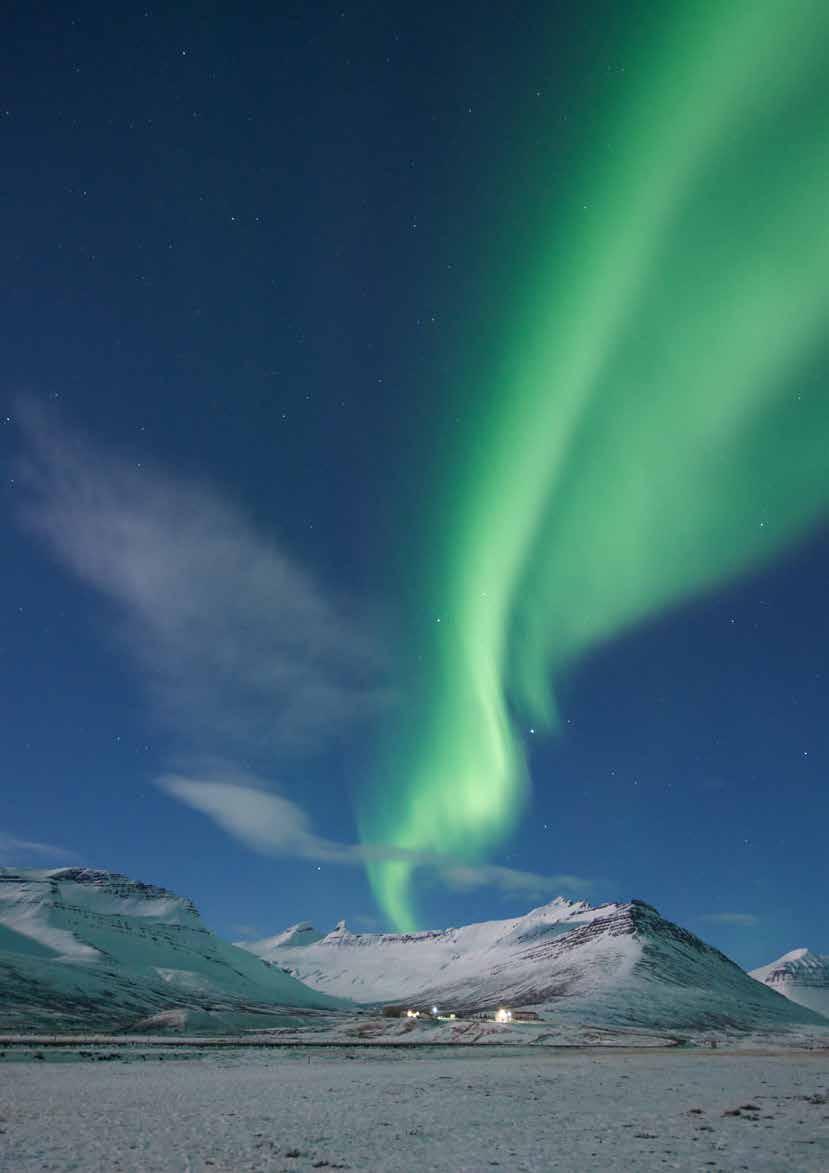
{"points": [[744, 919], [247, 932], [464, 878], [238, 643], [366, 923], [273, 825], [14, 850]]}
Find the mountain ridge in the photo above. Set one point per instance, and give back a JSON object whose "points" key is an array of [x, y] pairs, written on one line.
{"points": [[88, 949], [620, 964], [84, 948]]}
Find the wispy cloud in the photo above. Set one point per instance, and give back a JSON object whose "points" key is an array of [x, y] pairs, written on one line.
{"points": [[247, 932], [243, 654], [745, 919], [463, 878], [239, 644], [274, 825], [365, 922], [267, 822], [15, 851]]}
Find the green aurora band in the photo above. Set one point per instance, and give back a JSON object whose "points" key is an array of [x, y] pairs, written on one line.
{"points": [[654, 423]]}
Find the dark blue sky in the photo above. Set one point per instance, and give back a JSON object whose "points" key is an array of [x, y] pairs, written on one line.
{"points": [[244, 252]]}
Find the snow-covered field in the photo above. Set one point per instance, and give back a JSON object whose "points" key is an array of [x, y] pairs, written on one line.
{"points": [[513, 1109]]}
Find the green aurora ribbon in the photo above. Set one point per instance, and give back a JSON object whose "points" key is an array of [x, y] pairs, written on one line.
{"points": [[655, 421]]}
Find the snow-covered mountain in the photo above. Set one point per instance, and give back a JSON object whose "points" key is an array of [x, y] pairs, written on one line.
{"points": [[800, 975], [302, 934], [86, 949], [616, 964]]}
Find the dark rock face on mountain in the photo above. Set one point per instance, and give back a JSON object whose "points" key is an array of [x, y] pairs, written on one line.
{"points": [[82, 949], [617, 964]]}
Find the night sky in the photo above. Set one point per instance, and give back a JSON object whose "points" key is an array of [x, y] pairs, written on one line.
{"points": [[413, 433]]}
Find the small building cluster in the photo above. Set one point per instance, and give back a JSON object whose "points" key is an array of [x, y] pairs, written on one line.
{"points": [[414, 1012], [503, 1014]]}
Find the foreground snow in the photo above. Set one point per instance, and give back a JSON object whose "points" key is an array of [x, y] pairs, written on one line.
{"points": [[452, 1110], [371, 1031]]}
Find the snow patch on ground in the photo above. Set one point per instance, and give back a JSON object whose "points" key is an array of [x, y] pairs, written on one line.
{"points": [[442, 1111]]}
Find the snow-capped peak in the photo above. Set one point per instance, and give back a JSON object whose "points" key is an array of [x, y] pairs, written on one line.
{"points": [[797, 955], [340, 932], [800, 975], [619, 963], [789, 964], [295, 936]]}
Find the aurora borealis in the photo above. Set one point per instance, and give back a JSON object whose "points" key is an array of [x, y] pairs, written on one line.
{"points": [[649, 422], [414, 462]]}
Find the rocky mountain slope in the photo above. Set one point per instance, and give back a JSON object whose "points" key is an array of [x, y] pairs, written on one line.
{"points": [[800, 975], [91, 950], [616, 964]]}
